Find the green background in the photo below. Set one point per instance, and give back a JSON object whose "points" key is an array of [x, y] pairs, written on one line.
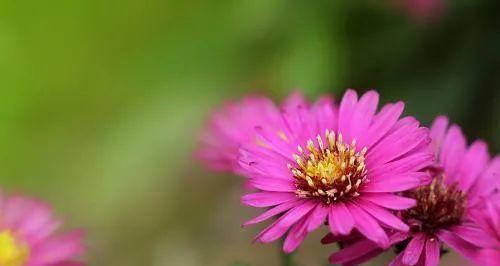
{"points": [[101, 103]]}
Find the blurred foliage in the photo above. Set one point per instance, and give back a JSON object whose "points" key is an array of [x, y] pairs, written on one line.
{"points": [[101, 101]]}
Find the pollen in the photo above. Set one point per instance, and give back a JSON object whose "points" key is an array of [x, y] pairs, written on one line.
{"points": [[329, 169], [439, 206], [12, 252]]}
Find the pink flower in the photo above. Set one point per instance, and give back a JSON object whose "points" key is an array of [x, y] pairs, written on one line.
{"points": [[488, 218], [27, 235], [340, 165], [462, 179], [230, 126]]}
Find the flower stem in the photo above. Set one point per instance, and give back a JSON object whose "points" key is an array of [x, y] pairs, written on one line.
{"points": [[286, 258]]}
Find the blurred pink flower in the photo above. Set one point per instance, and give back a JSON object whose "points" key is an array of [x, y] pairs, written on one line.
{"points": [[421, 10], [488, 218], [462, 178], [27, 235], [342, 165], [230, 126]]}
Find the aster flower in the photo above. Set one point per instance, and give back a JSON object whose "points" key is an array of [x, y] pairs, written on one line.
{"points": [[230, 126], [336, 165], [488, 218], [27, 235], [462, 178]]}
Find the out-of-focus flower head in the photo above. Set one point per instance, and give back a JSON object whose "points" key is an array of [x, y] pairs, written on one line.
{"points": [[320, 163], [229, 127], [488, 218], [463, 178], [28, 235]]}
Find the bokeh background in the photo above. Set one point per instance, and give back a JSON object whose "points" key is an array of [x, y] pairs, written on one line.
{"points": [[101, 103]]}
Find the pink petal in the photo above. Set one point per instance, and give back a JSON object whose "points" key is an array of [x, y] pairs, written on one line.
{"points": [[273, 184], [58, 249], [325, 113], [474, 161], [437, 133], [414, 249], [389, 201], [455, 242], [271, 139], [340, 219], [274, 211], [432, 252], [383, 122], [295, 237], [452, 151], [395, 183], [489, 257], [367, 226], [266, 199], [317, 217], [296, 116], [475, 236], [354, 251], [485, 185], [410, 163], [383, 215], [279, 228], [397, 144], [346, 109], [362, 116]]}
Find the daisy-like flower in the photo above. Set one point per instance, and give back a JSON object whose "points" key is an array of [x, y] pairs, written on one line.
{"points": [[230, 126], [337, 165], [488, 218], [27, 235], [462, 178]]}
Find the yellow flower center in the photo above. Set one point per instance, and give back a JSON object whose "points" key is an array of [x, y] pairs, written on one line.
{"points": [[331, 171], [12, 252]]}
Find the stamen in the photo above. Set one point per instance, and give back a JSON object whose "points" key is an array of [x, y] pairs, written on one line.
{"points": [[439, 206], [325, 170]]}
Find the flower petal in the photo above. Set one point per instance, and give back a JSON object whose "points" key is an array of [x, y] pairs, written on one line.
{"points": [[279, 228], [266, 199], [367, 226], [272, 184], [274, 211], [455, 242], [296, 236], [432, 252], [383, 215], [474, 161], [437, 133], [340, 219], [395, 183], [354, 251], [346, 109], [316, 217], [362, 117], [383, 122], [475, 236], [390, 201], [414, 249], [452, 152]]}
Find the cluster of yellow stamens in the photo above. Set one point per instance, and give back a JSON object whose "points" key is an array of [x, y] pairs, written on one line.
{"points": [[331, 171], [12, 252]]}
